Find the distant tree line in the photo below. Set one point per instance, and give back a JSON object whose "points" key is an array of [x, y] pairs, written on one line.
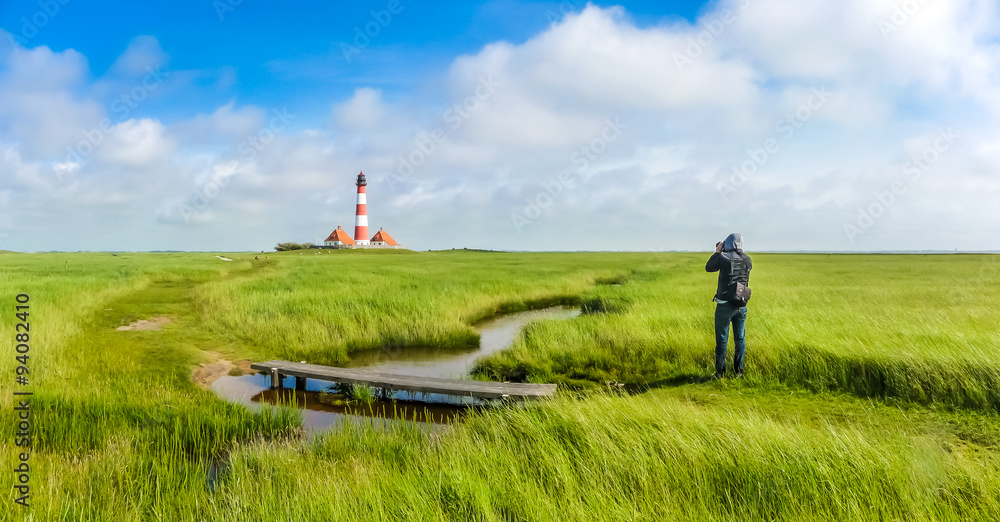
{"points": [[285, 247]]}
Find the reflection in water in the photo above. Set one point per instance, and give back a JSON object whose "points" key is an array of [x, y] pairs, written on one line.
{"points": [[328, 403], [321, 410], [451, 363]]}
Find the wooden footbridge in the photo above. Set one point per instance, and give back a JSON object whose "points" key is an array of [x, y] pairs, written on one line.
{"points": [[394, 382]]}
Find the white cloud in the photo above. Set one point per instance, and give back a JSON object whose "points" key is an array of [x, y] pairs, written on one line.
{"points": [[516, 125], [136, 143], [362, 112], [225, 126], [39, 102], [142, 54]]}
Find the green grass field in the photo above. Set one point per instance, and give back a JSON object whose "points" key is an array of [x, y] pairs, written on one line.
{"points": [[873, 389]]}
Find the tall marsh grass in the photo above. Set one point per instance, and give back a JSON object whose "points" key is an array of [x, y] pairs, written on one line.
{"points": [[323, 307], [122, 432], [613, 458], [919, 328]]}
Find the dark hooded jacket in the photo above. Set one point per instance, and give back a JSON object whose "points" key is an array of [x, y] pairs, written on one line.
{"points": [[732, 265]]}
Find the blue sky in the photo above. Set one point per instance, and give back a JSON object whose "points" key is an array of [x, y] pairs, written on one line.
{"points": [[200, 125], [257, 53]]}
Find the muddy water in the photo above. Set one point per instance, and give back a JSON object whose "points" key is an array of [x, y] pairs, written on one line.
{"points": [[322, 411], [495, 334]]}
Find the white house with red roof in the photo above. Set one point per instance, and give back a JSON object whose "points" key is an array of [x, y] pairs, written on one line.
{"points": [[339, 239], [382, 238]]}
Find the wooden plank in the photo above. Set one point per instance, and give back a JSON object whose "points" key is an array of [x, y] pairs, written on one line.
{"points": [[360, 376]]}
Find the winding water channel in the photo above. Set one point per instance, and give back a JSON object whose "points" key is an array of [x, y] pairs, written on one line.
{"points": [[321, 413]]}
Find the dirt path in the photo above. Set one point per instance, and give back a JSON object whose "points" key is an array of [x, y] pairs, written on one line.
{"points": [[155, 323], [170, 302], [205, 374]]}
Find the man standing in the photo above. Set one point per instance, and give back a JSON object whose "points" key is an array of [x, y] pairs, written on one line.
{"points": [[733, 267]]}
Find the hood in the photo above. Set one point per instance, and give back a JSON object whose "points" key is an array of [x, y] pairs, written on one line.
{"points": [[733, 242]]}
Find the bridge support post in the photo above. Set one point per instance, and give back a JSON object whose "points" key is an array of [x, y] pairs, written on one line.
{"points": [[275, 378], [300, 383]]}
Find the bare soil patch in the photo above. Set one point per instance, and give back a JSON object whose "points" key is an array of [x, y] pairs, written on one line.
{"points": [[205, 374], [154, 323]]}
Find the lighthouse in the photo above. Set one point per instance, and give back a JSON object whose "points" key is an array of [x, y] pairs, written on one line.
{"points": [[361, 214], [339, 237]]}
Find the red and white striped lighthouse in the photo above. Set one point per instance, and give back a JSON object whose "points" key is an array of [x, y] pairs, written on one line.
{"points": [[361, 215]]}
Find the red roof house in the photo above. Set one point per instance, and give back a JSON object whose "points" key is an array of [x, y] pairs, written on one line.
{"points": [[383, 238], [338, 237]]}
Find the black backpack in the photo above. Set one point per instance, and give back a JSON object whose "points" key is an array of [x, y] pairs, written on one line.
{"points": [[738, 293]]}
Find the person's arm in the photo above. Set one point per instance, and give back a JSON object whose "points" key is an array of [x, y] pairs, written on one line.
{"points": [[715, 263]]}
